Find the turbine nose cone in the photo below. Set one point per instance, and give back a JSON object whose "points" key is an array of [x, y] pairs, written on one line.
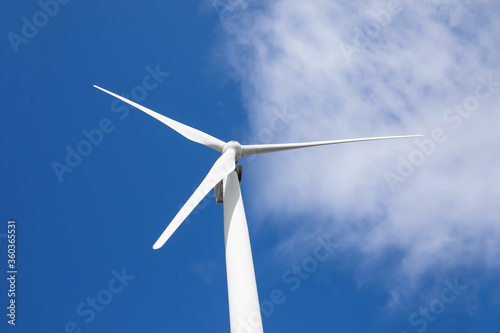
{"points": [[235, 146]]}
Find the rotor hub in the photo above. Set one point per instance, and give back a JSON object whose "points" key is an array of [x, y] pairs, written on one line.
{"points": [[235, 146]]}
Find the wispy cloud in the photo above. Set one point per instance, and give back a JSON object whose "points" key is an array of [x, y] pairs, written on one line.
{"points": [[412, 68]]}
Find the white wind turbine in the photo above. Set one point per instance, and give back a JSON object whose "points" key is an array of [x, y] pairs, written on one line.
{"points": [[225, 176]]}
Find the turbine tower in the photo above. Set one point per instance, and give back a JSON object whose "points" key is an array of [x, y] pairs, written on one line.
{"points": [[225, 176]]}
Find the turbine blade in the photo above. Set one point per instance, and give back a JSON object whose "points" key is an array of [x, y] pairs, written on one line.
{"points": [[221, 168], [270, 148], [188, 132]]}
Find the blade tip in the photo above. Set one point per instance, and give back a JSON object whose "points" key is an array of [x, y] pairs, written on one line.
{"points": [[158, 245]]}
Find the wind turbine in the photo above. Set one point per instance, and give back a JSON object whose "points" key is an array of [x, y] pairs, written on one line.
{"points": [[225, 176]]}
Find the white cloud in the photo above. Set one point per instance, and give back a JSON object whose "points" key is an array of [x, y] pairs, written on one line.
{"points": [[345, 75]]}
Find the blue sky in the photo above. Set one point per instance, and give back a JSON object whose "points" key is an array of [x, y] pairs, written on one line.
{"points": [[408, 230]]}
